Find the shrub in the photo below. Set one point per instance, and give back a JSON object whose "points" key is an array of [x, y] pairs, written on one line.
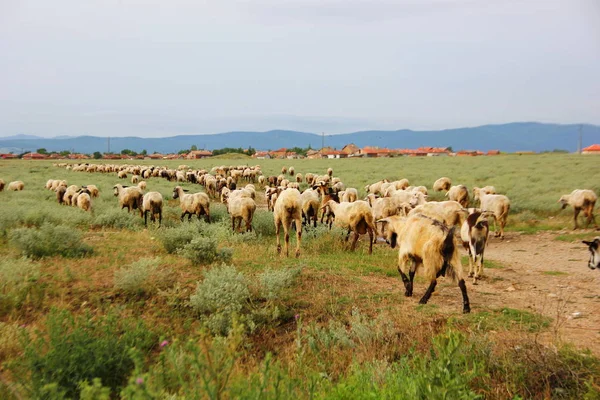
{"points": [[263, 223], [203, 250], [118, 219], [223, 293], [143, 277], [9, 340], [50, 240], [78, 349], [173, 239], [273, 282], [18, 284]]}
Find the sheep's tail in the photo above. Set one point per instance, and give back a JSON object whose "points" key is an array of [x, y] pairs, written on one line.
{"points": [[448, 249]]}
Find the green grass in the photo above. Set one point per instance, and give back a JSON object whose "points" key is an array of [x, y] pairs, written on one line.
{"points": [[574, 237], [555, 273]]}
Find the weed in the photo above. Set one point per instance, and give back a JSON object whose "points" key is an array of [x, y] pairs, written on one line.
{"points": [[143, 277], [203, 250], [18, 285], [49, 240]]}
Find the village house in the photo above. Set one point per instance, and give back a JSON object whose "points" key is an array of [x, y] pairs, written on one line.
{"points": [[593, 149], [8, 156], [197, 154], [34, 156], [350, 149], [261, 155], [312, 154]]}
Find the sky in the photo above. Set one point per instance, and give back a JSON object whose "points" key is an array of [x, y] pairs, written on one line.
{"points": [[162, 68]]}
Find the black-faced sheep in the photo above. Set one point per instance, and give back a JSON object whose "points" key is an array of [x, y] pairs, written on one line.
{"points": [[460, 194], [474, 233], [152, 203], [357, 217], [443, 183], [581, 200], [593, 246], [15, 186], [129, 197], [192, 204], [428, 245], [288, 209]]}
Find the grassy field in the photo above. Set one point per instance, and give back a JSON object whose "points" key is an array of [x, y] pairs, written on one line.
{"points": [[190, 310]]}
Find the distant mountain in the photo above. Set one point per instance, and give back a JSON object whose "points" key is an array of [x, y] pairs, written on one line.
{"points": [[511, 137], [21, 136]]}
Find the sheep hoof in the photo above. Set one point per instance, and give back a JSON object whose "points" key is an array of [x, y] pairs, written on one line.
{"points": [[474, 281], [466, 310], [470, 274]]}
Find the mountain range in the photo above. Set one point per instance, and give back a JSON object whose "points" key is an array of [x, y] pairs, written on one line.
{"points": [[511, 137]]}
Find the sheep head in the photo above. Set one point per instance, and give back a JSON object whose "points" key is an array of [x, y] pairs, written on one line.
{"points": [[564, 201], [593, 246]]}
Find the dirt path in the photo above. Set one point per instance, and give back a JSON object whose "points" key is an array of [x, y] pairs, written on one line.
{"points": [[547, 276]]}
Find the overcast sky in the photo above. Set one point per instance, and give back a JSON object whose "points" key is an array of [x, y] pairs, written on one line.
{"points": [[161, 68]]}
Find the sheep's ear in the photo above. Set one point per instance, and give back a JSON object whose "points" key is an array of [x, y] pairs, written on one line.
{"points": [[186, 190], [587, 243]]}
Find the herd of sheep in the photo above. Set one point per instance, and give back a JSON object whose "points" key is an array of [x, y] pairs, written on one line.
{"points": [[424, 231]]}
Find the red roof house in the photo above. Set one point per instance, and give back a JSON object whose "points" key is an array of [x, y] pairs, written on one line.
{"points": [[34, 156], [593, 149]]}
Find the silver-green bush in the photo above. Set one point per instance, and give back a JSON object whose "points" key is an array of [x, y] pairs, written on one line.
{"points": [[49, 240], [143, 277], [273, 282]]}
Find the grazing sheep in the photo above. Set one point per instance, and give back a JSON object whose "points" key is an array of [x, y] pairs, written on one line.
{"points": [[60, 193], [580, 199], [122, 175], [383, 207], [152, 203], [261, 180], [84, 200], [499, 206], [288, 209], [241, 208], [474, 233], [375, 188], [357, 217], [291, 171], [309, 178], [460, 194], [443, 183], [330, 172], [349, 195], [15, 186], [421, 189], [142, 185], [93, 189], [477, 192], [310, 207], [428, 245], [129, 197], [448, 212], [594, 262], [180, 176], [135, 179], [192, 204], [2, 185], [283, 170], [299, 178], [69, 194]]}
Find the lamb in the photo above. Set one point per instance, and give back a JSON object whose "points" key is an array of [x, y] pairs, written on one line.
{"points": [[429, 245], [357, 217], [499, 206], [152, 203], [594, 262], [129, 197], [15, 186], [310, 207], [448, 212], [474, 233], [443, 183], [241, 208], [2, 183], [84, 201], [192, 204], [288, 209], [460, 194], [581, 199]]}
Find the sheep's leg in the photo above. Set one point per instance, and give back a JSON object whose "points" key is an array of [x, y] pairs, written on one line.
{"points": [[146, 218], [159, 219], [286, 231], [348, 235], [298, 237], [471, 267], [370, 231], [407, 283], [182, 216], [277, 228], [233, 224], [463, 291], [354, 240], [576, 214], [429, 291]]}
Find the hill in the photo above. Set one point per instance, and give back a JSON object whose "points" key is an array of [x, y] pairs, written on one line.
{"points": [[511, 137]]}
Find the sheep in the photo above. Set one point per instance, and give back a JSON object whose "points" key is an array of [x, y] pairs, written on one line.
{"points": [[129, 197], [299, 177], [142, 185], [2, 183], [594, 262], [477, 192], [60, 193], [93, 189], [384, 207], [349, 195], [84, 201], [261, 180], [192, 204], [152, 203], [330, 172], [429, 245], [357, 217], [421, 189], [580, 199], [135, 179], [69, 194], [291, 171], [180, 176], [49, 184], [122, 175], [499, 206], [443, 183], [412, 198], [474, 233], [460, 194], [448, 212], [310, 207], [15, 186], [283, 170], [375, 188], [241, 208], [288, 209]]}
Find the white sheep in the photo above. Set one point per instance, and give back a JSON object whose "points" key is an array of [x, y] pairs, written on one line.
{"points": [[580, 199], [499, 206], [474, 234], [375, 188], [448, 212], [477, 192], [459, 193], [15, 186], [142, 185], [594, 262], [357, 217], [129, 197], [428, 245], [443, 183], [192, 203], [69, 194], [152, 203], [330, 172], [299, 177], [135, 179], [349, 195], [292, 171], [241, 208], [310, 206], [93, 189], [383, 207], [288, 209], [122, 175], [84, 200]]}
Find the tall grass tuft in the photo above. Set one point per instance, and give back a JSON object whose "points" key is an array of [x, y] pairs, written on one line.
{"points": [[143, 277], [18, 284], [49, 240]]}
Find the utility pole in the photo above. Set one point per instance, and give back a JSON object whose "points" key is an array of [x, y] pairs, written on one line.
{"points": [[322, 139], [108, 145], [580, 140]]}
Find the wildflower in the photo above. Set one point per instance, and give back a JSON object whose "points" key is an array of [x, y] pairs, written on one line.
{"points": [[164, 343], [139, 381], [296, 317]]}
